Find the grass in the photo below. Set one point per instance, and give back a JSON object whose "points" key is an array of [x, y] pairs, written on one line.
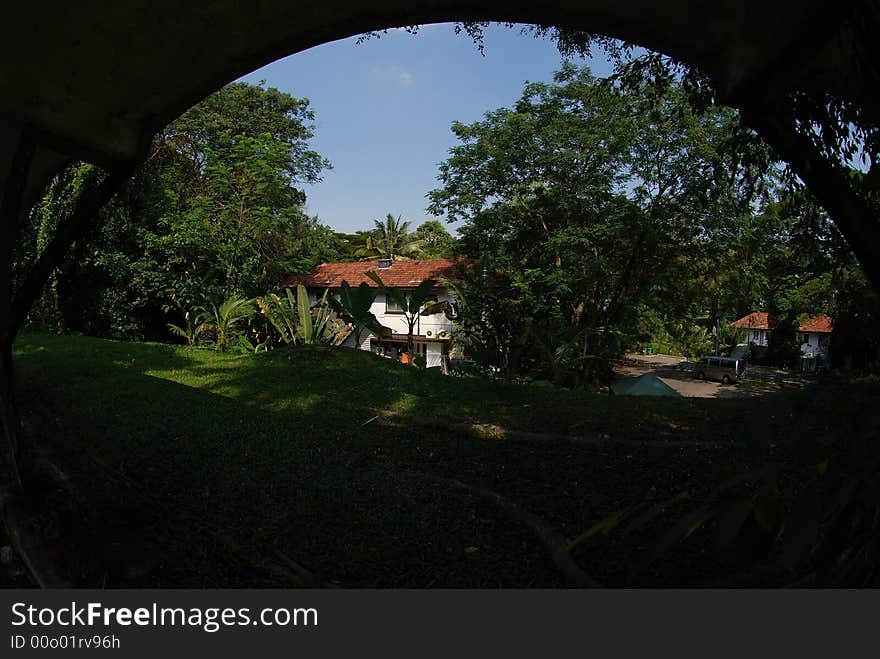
{"points": [[208, 467]]}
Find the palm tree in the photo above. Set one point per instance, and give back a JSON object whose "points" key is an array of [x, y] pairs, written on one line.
{"points": [[391, 240], [223, 320]]}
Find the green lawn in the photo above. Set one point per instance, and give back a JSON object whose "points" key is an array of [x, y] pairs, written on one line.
{"points": [[216, 467]]}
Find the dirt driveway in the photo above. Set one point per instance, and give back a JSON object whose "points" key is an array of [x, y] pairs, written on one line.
{"points": [[672, 370]]}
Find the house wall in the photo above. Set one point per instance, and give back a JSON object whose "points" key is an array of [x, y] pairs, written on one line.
{"points": [[814, 346], [435, 324], [759, 337], [366, 335], [397, 321]]}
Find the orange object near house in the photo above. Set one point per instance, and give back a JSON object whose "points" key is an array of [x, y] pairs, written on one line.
{"points": [[404, 358]]}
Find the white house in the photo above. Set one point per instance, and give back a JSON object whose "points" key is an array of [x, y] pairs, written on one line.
{"points": [[433, 331], [814, 335], [757, 326]]}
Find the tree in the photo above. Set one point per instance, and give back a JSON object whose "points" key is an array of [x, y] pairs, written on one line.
{"points": [[216, 211], [587, 200], [820, 134], [436, 242], [493, 323], [391, 239], [248, 212]]}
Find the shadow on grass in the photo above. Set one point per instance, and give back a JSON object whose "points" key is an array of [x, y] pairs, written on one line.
{"points": [[207, 466]]}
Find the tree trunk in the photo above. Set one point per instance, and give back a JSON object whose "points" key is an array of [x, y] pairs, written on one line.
{"points": [[86, 212], [830, 183], [12, 198], [10, 478]]}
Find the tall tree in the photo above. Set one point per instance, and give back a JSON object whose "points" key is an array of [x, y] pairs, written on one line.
{"points": [[436, 241], [587, 198], [216, 211]]}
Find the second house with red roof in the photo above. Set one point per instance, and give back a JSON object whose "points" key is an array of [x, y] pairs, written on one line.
{"points": [[814, 335]]}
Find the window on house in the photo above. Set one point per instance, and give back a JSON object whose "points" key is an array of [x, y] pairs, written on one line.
{"points": [[391, 305]]}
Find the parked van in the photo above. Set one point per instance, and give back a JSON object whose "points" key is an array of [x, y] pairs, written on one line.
{"points": [[720, 368]]}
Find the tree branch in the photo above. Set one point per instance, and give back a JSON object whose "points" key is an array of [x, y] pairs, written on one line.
{"points": [[831, 184], [10, 223]]}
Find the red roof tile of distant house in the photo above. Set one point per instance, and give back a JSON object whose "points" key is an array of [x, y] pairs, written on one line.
{"points": [[818, 324], [760, 321], [757, 320], [404, 274]]}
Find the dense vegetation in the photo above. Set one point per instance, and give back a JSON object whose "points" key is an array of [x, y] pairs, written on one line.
{"points": [[604, 215], [607, 214]]}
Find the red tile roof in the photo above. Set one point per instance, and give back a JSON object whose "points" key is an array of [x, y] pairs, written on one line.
{"points": [[757, 320], [405, 274], [818, 324], [760, 320]]}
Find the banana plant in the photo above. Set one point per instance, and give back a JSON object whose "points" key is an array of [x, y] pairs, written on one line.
{"points": [[281, 314], [353, 306], [295, 319], [314, 328], [410, 304]]}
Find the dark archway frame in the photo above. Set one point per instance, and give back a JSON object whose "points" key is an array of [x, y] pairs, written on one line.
{"points": [[95, 81]]}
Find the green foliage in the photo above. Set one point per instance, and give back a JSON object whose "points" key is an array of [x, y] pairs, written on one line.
{"points": [[784, 348], [296, 321], [674, 336], [216, 211], [281, 314], [195, 324], [855, 343], [305, 327], [317, 325], [390, 239], [224, 321], [353, 306], [435, 241], [492, 327], [587, 204]]}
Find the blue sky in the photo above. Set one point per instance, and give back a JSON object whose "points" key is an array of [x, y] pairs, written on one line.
{"points": [[384, 110]]}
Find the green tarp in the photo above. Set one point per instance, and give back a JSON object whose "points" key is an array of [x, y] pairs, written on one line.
{"points": [[645, 385]]}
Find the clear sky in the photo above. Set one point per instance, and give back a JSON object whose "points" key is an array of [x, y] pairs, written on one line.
{"points": [[384, 110]]}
